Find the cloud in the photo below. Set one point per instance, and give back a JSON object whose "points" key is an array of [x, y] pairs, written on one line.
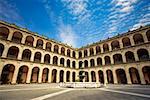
{"points": [[67, 35], [9, 12]]}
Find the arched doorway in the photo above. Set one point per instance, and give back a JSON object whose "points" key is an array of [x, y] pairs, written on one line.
{"points": [[54, 73], [29, 41], [7, 74], [17, 37], [138, 39], [146, 73], [129, 56], [22, 74], [93, 76], [73, 76], [39, 44], [101, 76], [61, 76], [56, 48], [107, 60], [105, 47], [126, 42], [45, 75], [26, 55], [55, 60], [115, 44], [86, 77], [143, 54], [47, 59], [48, 46], [68, 76], [134, 74], [117, 58], [37, 57], [35, 74], [13, 52], [110, 77], [121, 76]]}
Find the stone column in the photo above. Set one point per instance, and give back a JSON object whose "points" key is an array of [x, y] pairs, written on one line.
{"points": [[105, 77], [14, 79], [44, 45], [51, 60], [5, 51], [58, 61], [64, 76], [29, 75], [70, 76], [109, 45], [42, 57], [111, 59], [132, 41], [124, 58], [32, 56], [97, 76], [20, 54], [102, 50], [40, 75], [34, 42], [136, 56], [120, 43], [23, 38], [10, 35], [145, 37], [49, 76], [90, 77], [141, 75], [57, 76], [52, 48], [128, 76], [115, 77], [103, 61]]}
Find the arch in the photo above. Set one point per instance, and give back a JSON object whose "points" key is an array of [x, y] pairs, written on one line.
{"points": [[85, 53], [126, 42], [73, 76], [110, 77], [56, 49], [29, 41], [63, 51], [80, 54], [22, 74], [26, 55], [13, 52], [101, 76], [85, 64], [37, 57], [48, 46], [138, 39], [134, 74], [117, 58], [121, 76], [4, 32], [17, 37], [68, 63], [98, 50], [107, 60], [91, 51], [45, 75], [55, 60], [81, 76], [61, 77], [105, 47], [73, 64], [148, 35], [1, 49], [80, 64], [62, 60], [143, 54], [68, 52], [7, 74], [54, 74], [39, 44], [47, 59], [73, 54], [99, 61], [129, 56], [92, 62], [68, 76], [35, 75], [93, 76], [146, 73], [86, 77], [115, 44]]}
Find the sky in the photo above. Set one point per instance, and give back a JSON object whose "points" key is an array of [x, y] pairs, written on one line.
{"points": [[77, 22]]}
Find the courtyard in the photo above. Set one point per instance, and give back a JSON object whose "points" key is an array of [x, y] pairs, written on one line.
{"points": [[53, 92]]}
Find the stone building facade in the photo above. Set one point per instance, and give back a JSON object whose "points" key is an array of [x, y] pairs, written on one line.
{"points": [[26, 57]]}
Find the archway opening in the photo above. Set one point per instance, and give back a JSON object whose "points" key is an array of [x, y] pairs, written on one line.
{"points": [[55, 60], [129, 56], [39, 44], [107, 60], [85, 53], [22, 74], [110, 77], [1, 49], [29, 41], [148, 35], [91, 52], [37, 57], [80, 64], [4, 32], [99, 61], [92, 62], [47, 59], [134, 74], [62, 62], [63, 51], [56, 49], [54, 73], [85, 64], [73, 76], [86, 77], [138, 39], [143, 54], [48, 46], [105, 47], [101, 76], [68, 76], [93, 76], [115, 45], [73, 64], [45, 75], [146, 73], [34, 75], [61, 76], [7, 74], [117, 58], [80, 54], [13, 52], [26, 55], [126, 42], [68, 52], [68, 63], [17, 37], [121, 76], [73, 54]]}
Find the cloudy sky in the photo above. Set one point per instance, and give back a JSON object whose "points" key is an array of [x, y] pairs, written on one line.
{"points": [[76, 22]]}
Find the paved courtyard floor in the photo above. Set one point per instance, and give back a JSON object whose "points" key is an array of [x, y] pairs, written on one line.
{"points": [[43, 92]]}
